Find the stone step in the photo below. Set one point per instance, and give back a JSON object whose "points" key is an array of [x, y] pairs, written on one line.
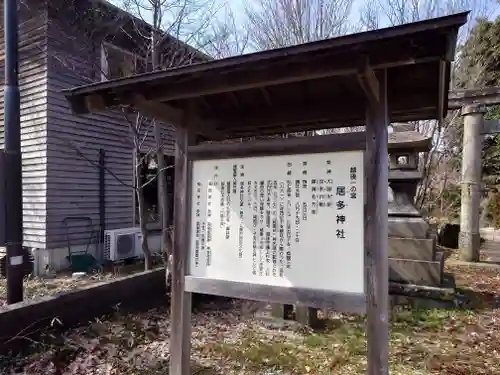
{"points": [[412, 248], [408, 227], [417, 272], [419, 296], [396, 209]]}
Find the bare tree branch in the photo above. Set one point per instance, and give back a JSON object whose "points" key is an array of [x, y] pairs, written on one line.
{"points": [[377, 13], [281, 23], [224, 38]]}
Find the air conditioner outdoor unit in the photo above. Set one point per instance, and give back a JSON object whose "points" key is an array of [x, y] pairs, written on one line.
{"points": [[120, 244]]}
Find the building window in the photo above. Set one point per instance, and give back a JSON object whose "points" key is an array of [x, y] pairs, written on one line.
{"points": [[117, 62], [148, 171]]}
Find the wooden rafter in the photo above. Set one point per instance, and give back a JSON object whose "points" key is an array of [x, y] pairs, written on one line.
{"points": [[368, 82]]}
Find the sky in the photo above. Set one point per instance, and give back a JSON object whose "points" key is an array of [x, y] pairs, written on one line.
{"points": [[237, 7]]}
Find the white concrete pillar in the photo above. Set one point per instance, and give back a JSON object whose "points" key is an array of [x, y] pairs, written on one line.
{"points": [[469, 238]]}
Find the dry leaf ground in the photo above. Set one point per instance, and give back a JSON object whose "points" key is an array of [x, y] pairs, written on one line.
{"points": [[460, 341], [35, 287]]}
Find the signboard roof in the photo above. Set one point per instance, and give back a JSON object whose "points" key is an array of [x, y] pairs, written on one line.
{"points": [[305, 87]]}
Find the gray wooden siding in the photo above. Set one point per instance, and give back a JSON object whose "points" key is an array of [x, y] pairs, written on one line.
{"points": [[73, 183], [33, 89]]}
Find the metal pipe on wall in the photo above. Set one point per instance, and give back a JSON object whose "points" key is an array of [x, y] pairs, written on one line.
{"points": [[102, 203]]}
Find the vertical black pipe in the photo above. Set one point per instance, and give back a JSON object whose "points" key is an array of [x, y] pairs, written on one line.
{"points": [[102, 193], [2, 199], [13, 174]]}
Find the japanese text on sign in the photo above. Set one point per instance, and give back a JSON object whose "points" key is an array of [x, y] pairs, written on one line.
{"points": [[282, 220]]}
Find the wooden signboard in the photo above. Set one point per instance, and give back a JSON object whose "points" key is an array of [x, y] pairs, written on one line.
{"points": [[287, 223]]}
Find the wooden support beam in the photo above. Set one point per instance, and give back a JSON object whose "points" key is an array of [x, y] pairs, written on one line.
{"points": [[337, 114], [234, 99], [266, 95], [451, 41], [368, 82], [280, 146], [376, 233], [160, 111], [240, 132], [443, 88], [205, 103], [180, 336], [170, 115], [295, 71]]}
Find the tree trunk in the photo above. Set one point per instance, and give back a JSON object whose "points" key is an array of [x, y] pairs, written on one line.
{"points": [[163, 200], [148, 262], [160, 159]]}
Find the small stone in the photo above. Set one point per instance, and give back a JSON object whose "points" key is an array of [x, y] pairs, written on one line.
{"points": [[78, 275]]}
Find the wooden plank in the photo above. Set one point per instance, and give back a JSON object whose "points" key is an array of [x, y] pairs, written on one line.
{"points": [[180, 300], [307, 316], [376, 233], [293, 71], [368, 82], [418, 272], [171, 115], [281, 311], [444, 83], [345, 302], [302, 116], [299, 145], [282, 146], [412, 248]]}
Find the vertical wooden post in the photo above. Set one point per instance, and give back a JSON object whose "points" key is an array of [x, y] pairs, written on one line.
{"points": [[376, 232], [180, 336], [282, 311], [469, 238], [307, 316]]}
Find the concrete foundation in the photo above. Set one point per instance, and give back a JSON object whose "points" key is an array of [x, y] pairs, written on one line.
{"points": [[54, 260]]}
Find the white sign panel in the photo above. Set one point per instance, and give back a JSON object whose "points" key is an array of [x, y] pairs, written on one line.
{"points": [[294, 220]]}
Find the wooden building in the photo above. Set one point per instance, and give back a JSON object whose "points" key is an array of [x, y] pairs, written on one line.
{"points": [[64, 44]]}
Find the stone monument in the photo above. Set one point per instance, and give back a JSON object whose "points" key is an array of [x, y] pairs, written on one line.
{"points": [[413, 259], [412, 251]]}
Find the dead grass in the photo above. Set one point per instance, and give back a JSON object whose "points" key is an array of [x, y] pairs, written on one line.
{"points": [[36, 287], [459, 341]]}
